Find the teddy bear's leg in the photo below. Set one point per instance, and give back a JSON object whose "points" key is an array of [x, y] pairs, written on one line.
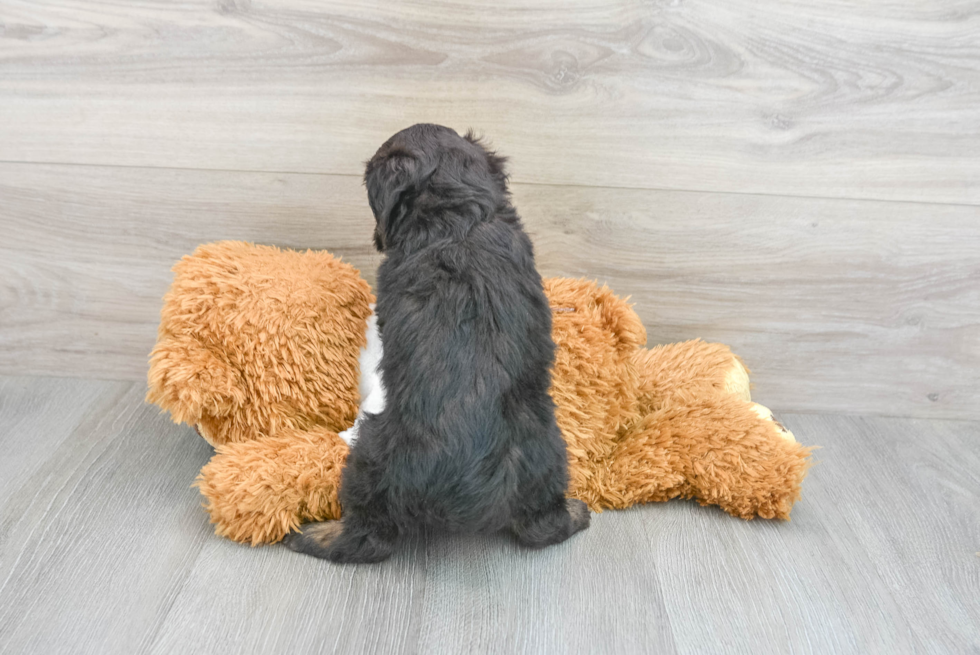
{"points": [[257, 491], [721, 450], [692, 368]]}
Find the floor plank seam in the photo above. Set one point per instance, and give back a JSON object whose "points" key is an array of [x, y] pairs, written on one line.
{"points": [[55, 496], [148, 644], [652, 189]]}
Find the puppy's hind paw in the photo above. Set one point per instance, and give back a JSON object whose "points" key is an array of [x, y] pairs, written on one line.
{"points": [[336, 542], [579, 513], [315, 538]]}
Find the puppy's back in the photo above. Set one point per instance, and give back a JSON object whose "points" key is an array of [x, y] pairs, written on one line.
{"points": [[467, 334], [468, 438]]}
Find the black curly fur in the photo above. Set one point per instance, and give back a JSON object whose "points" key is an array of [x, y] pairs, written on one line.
{"points": [[467, 440]]}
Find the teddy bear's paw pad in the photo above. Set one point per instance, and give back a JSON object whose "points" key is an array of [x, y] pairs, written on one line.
{"points": [[766, 414], [737, 380], [204, 434]]}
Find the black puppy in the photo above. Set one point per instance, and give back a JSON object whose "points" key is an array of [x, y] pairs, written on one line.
{"points": [[467, 440]]}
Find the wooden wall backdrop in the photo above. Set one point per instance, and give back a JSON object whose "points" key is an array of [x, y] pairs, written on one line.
{"points": [[798, 179]]}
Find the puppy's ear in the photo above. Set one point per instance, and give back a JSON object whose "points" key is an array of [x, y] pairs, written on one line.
{"points": [[393, 181]]}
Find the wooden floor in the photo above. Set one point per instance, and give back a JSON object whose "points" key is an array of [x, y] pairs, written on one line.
{"points": [[799, 179], [105, 549]]}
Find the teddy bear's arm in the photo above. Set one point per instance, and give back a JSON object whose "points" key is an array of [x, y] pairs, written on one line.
{"points": [[189, 381]]}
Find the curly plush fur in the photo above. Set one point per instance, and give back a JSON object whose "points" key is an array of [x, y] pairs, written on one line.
{"points": [[673, 421], [641, 425], [245, 334], [467, 440]]}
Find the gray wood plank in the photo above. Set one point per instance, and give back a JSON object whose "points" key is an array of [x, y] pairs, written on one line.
{"points": [[89, 253], [879, 558], [99, 535], [595, 593], [243, 600], [105, 549], [37, 415], [833, 99], [880, 555], [836, 305], [439, 594]]}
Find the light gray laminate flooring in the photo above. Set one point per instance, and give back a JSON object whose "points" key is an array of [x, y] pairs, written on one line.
{"points": [[104, 548]]}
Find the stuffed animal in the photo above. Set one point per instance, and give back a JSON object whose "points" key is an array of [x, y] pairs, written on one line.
{"points": [[268, 352]]}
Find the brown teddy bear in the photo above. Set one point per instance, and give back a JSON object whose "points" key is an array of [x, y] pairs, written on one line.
{"points": [[261, 349]]}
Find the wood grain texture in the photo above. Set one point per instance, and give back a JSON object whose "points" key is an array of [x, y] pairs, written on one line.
{"points": [[88, 251], [836, 305], [834, 99], [880, 555], [105, 550], [99, 523]]}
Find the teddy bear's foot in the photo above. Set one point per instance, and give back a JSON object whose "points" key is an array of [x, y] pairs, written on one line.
{"points": [[344, 544], [765, 414], [554, 526]]}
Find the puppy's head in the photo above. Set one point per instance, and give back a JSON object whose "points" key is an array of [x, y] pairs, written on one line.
{"points": [[429, 180]]}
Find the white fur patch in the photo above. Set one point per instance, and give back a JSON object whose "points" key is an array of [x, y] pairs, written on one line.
{"points": [[370, 387]]}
